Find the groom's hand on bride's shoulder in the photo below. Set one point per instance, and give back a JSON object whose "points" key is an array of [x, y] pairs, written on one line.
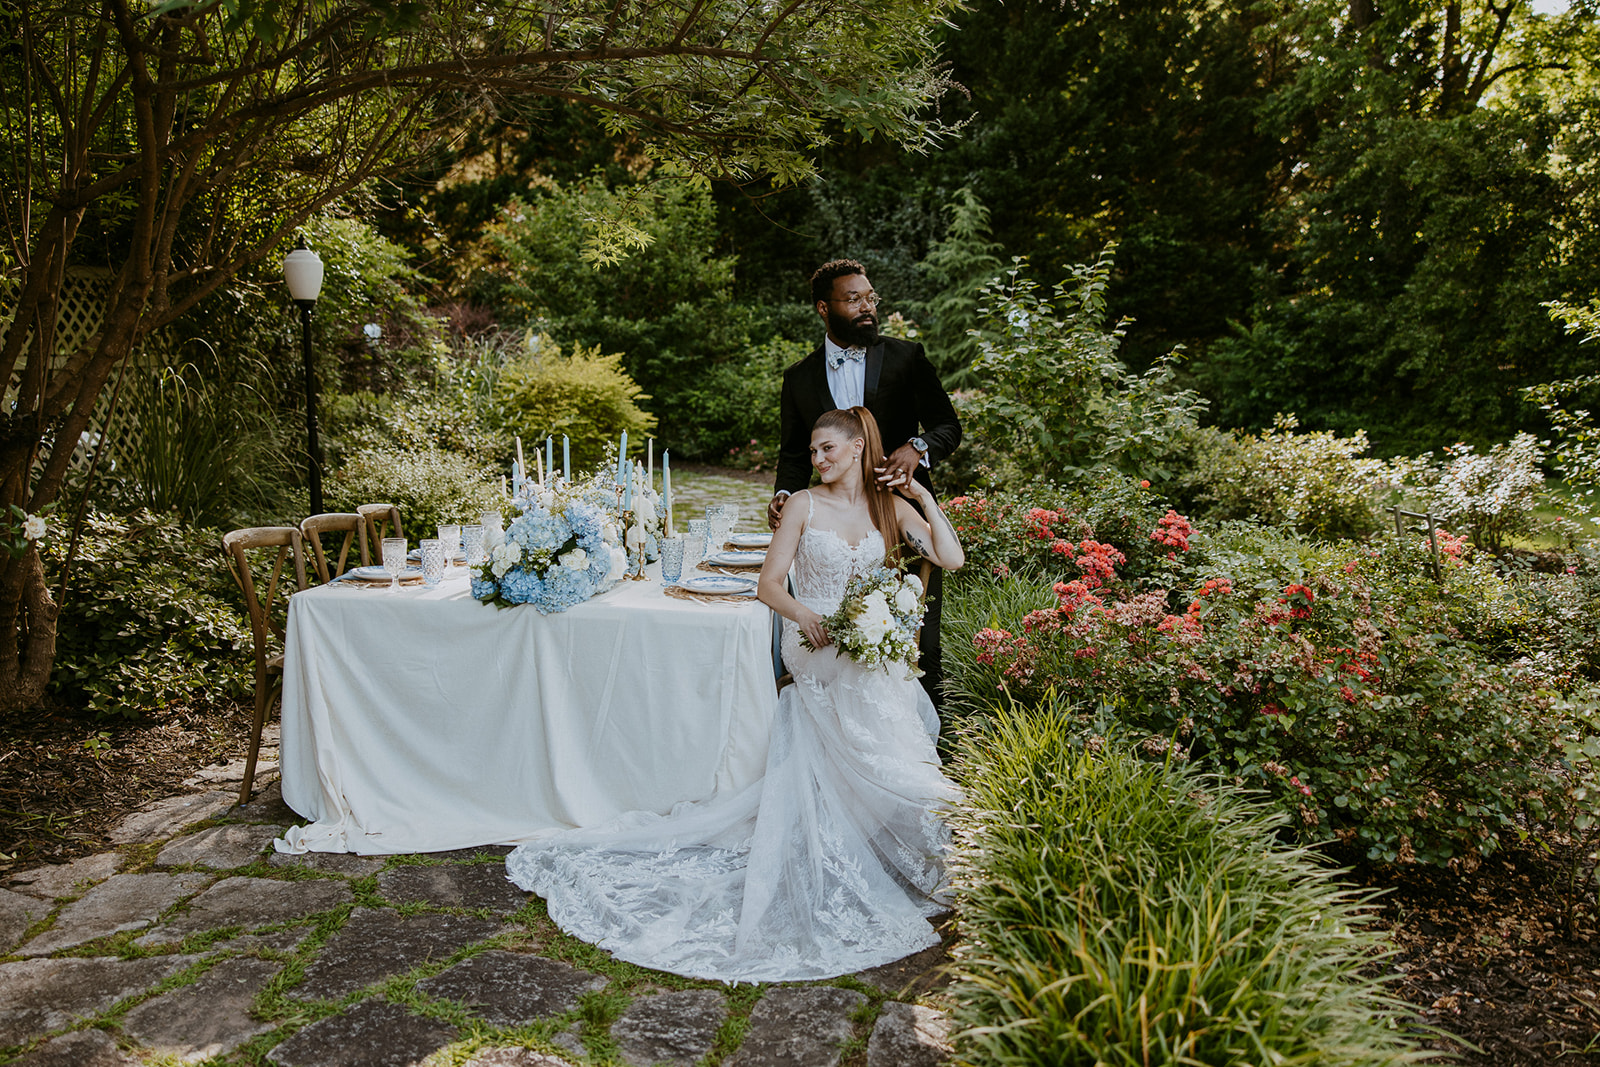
{"points": [[775, 510]]}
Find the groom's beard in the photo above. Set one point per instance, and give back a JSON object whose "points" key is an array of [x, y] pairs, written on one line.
{"points": [[861, 330]]}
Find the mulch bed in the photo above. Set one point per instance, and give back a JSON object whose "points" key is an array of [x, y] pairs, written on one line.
{"points": [[1484, 956]]}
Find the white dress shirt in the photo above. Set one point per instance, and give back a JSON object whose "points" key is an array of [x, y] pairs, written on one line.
{"points": [[848, 384]]}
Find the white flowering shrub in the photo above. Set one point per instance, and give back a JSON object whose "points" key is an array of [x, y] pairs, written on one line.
{"points": [[429, 486], [1492, 493]]}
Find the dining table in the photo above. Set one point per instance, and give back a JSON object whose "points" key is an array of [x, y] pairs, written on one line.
{"points": [[418, 719]]}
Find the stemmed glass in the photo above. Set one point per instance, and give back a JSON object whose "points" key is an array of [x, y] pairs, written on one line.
{"points": [[451, 538], [394, 559], [694, 550]]}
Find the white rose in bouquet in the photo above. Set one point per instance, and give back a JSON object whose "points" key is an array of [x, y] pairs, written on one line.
{"points": [[576, 560], [874, 620], [905, 598]]}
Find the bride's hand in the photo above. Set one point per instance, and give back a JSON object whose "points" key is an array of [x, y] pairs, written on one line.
{"points": [[815, 631]]}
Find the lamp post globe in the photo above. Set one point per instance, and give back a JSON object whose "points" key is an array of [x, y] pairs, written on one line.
{"points": [[302, 270]]}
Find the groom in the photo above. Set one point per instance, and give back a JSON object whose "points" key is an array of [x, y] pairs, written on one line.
{"points": [[890, 378]]}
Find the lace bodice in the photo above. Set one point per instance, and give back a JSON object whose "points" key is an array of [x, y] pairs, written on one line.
{"points": [[824, 562]]}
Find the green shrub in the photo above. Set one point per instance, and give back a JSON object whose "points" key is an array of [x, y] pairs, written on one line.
{"points": [[1367, 700], [1053, 400], [429, 486], [1317, 483], [152, 617], [1124, 913], [587, 397]]}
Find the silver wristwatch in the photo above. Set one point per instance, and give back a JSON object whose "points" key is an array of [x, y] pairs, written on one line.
{"points": [[921, 446]]}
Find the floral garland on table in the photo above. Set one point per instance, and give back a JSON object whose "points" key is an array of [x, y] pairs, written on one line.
{"points": [[877, 619]]}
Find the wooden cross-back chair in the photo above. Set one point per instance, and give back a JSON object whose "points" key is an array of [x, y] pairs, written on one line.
{"points": [[354, 528], [383, 520], [241, 546], [924, 572]]}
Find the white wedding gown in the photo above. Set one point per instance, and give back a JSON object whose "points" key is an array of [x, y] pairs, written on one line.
{"points": [[830, 864]]}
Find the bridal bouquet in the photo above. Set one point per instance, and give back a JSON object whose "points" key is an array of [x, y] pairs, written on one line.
{"points": [[877, 619], [560, 551]]}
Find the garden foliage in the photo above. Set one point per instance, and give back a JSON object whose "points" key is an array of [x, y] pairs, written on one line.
{"points": [[1315, 482], [586, 396], [1053, 400], [1491, 493], [429, 485], [1119, 912], [1368, 702], [152, 618]]}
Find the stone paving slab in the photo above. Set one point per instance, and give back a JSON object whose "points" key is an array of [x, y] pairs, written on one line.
{"points": [[122, 902], [81, 1048], [377, 943], [230, 773], [455, 885], [909, 1035], [166, 817], [206, 1019], [37, 996], [512, 988], [918, 973], [266, 805], [798, 1026], [17, 913], [374, 1033], [221, 847], [515, 1057], [250, 903], [457, 855], [342, 863], [674, 1028], [64, 879]]}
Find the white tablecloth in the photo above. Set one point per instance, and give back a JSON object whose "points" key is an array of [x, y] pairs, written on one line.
{"points": [[423, 720]]}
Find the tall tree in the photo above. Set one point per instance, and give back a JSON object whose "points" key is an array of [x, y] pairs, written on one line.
{"points": [[176, 143]]}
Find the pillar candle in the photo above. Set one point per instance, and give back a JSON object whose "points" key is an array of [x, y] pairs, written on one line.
{"points": [[566, 459], [666, 487]]}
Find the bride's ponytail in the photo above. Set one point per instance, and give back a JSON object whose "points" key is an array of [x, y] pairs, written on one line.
{"points": [[859, 422]]}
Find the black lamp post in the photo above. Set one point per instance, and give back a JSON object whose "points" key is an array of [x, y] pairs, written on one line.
{"points": [[302, 269]]}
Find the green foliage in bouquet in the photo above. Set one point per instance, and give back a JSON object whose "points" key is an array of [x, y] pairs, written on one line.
{"points": [[877, 619], [586, 396], [1114, 911], [430, 486], [152, 618]]}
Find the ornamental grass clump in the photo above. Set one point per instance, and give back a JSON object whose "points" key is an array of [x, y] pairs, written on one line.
{"points": [[1120, 912]]}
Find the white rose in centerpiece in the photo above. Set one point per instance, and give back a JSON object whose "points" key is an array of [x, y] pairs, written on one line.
{"points": [[609, 533], [504, 558], [644, 510], [636, 536], [619, 562], [547, 499], [576, 560]]}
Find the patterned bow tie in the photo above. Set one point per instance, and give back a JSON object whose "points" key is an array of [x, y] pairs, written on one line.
{"points": [[840, 356]]}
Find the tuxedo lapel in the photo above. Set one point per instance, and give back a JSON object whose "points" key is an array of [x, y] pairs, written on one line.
{"points": [[869, 387], [822, 396]]}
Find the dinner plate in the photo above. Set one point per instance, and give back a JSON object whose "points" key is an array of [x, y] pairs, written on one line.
{"points": [[750, 540], [737, 559], [376, 573], [718, 583]]}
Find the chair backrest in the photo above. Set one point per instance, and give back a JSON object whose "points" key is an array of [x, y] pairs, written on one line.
{"points": [[924, 572], [383, 520], [349, 523], [239, 545]]}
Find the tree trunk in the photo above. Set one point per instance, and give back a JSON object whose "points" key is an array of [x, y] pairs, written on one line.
{"points": [[25, 662]]}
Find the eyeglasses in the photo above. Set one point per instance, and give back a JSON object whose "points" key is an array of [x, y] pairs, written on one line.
{"points": [[856, 300]]}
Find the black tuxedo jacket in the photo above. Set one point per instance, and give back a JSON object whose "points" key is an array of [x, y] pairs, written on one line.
{"points": [[902, 390]]}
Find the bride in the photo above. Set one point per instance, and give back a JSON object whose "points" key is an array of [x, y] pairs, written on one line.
{"points": [[831, 863]]}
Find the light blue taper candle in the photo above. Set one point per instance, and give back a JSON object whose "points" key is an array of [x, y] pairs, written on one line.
{"points": [[550, 457], [566, 459], [622, 456]]}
